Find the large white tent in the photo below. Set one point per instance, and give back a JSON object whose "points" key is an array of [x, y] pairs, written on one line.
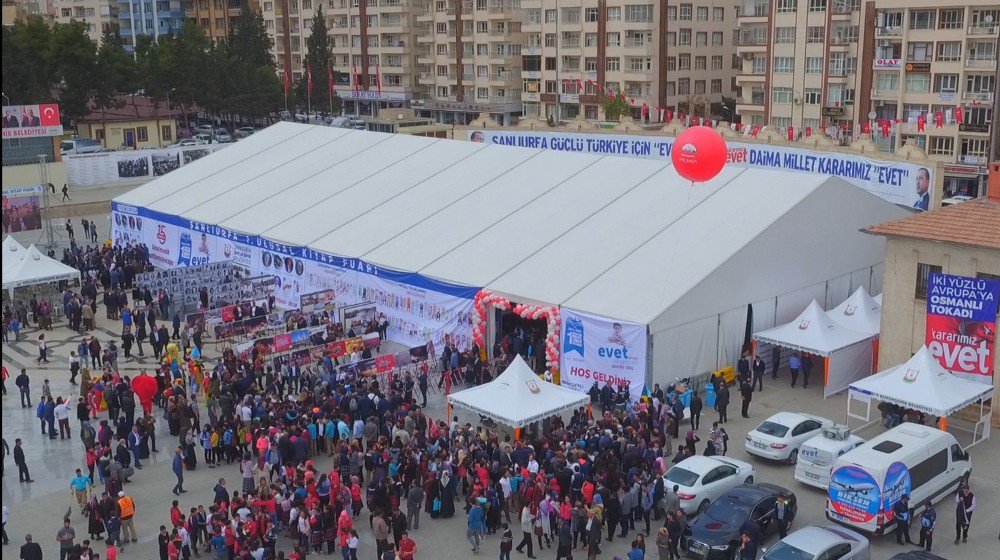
{"points": [[13, 252], [846, 353], [923, 384], [626, 239], [35, 268], [518, 397]]}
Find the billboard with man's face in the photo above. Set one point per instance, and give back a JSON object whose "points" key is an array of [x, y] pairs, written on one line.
{"points": [[31, 121]]}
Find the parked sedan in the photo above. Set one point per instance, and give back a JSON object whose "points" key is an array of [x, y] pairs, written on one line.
{"points": [[781, 436], [222, 136], [244, 131], [702, 479], [820, 543], [715, 533], [204, 129]]}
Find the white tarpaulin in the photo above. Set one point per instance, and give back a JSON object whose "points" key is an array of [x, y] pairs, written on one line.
{"points": [[36, 268], [518, 397], [860, 312], [602, 350], [921, 383]]}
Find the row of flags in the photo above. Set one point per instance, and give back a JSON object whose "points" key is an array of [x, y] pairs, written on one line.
{"points": [[355, 79]]}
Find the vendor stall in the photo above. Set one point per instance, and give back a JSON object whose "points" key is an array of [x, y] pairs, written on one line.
{"points": [[34, 268]]}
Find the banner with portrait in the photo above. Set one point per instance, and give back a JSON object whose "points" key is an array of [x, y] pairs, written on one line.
{"points": [[102, 168], [602, 350], [31, 121], [962, 324], [22, 210]]}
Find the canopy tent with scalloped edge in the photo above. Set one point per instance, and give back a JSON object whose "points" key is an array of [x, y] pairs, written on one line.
{"points": [[13, 252], [518, 397], [35, 268]]}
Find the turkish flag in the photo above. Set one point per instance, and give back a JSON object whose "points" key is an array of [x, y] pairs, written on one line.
{"points": [[48, 114], [579, 85], [739, 127], [670, 116], [884, 125], [566, 85], [791, 134], [938, 119], [921, 122], [645, 110], [809, 131], [756, 129], [958, 115], [866, 128]]}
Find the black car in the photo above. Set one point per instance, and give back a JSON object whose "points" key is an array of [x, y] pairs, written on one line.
{"points": [[714, 533]]}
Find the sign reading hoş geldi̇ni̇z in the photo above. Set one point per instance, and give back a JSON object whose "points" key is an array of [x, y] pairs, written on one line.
{"points": [[596, 349], [961, 324]]}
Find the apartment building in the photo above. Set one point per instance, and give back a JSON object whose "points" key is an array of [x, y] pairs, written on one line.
{"points": [[148, 17], [215, 17], [846, 66], [98, 15], [934, 61]]}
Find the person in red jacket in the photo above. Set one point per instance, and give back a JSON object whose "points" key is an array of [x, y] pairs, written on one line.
{"points": [[407, 547]]}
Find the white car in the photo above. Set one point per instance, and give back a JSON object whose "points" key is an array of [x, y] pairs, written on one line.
{"points": [[244, 131], [222, 136], [204, 129], [820, 543], [702, 479], [203, 139], [781, 436]]}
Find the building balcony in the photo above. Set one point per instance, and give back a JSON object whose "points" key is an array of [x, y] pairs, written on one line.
{"points": [[744, 106], [889, 31], [531, 97], [983, 30], [392, 6], [401, 68], [426, 78], [750, 78], [505, 12], [632, 49], [981, 62], [887, 94], [984, 97], [505, 80], [755, 11]]}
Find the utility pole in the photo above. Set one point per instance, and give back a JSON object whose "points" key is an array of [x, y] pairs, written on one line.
{"points": [[43, 178]]}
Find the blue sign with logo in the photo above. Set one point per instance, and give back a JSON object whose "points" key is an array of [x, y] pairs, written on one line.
{"points": [[897, 483], [854, 494], [573, 336]]}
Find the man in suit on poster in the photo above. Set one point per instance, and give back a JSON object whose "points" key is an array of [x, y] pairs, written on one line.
{"points": [[9, 120]]}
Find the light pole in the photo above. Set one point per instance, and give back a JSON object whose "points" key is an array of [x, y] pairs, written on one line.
{"points": [[7, 99]]}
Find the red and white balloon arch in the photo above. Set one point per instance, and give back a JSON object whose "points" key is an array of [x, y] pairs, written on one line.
{"points": [[486, 300]]}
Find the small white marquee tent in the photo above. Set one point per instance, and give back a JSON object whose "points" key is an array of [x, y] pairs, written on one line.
{"points": [[845, 352], [518, 397], [35, 268], [860, 312], [13, 252], [923, 384]]}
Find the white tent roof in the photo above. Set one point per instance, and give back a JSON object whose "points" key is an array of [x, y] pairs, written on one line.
{"points": [[623, 238], [878, 299], [923, 384], [36, 268], [518, 397], [13, 252], [860, 312], [812, 331]]}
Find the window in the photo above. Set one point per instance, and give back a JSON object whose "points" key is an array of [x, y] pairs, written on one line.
{"points": [[814, 65], [949, 51], [640, 12], [166, 133], [942, 146], [918, 83], [784, 64], [614, 39], [639, 64], [787, 6], [590, 39], [979, 115], [923, 271], [817, 5], [784, 35], [684, 87], [590, 64], [684, 62], [975, 147], [926, 470], [921, 19], [717, 38], [718, 14], [759, 65], [815, 34], [614, 64], [672, 13], [590, 15], [671, 39], [813, 96], [700, 63], [685, 12], [716, 63], [614, 14], [980, 83], [671, 63], [887, 82], [699, 87], [911, 112], [716, 86], [571, 15], [551, 16], [685, 37], [952, 19], [702, 13], [919, 141], [945, 83], [781, 123], [142, 133], [781, 95], [701, 39], [919, 51], [482, 93], [671, 89]]}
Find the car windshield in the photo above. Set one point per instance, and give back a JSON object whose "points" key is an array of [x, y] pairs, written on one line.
{"points": [[730, 510], [66, 145], [681, 476], [772, 429], [785, 551]]}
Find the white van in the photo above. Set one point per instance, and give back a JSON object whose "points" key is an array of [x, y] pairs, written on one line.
{"points": [[818, 454], [920, 461]]}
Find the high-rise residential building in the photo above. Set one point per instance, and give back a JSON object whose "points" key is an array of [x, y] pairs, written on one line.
{"points": [[148, 17], [932, 65], [215, 17], [98, 15]]}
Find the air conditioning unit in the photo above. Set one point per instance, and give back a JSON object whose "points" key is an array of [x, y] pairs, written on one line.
{"points": [[797, 100], [747, 56], [884, 43]]}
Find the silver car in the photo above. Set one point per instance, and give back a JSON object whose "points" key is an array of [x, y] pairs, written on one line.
{"points": [[826, 543]]}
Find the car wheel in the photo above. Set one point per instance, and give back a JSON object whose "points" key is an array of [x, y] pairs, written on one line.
{"points": [[749, 480], [793, 457], [703, 506]]}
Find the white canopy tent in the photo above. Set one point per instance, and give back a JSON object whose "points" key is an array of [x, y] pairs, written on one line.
{"points": [[846, 354], [36, 268], [923, 384], [860, 312], [518, 397], [13, 252]]}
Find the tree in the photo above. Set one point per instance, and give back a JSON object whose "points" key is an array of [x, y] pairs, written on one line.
{"points": [[115, 73], [190, 64], [28, 76], [318, 57], [248, 39], [614, 107], [73, 58]]}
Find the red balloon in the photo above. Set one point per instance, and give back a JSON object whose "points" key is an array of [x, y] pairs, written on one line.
{"points": [[699, 154]]}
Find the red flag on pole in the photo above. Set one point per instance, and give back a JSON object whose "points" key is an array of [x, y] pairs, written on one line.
{"points": [[755, 131], [288, 82], [669, 115], [791, 134], [866, 128], [579, 85], [884, 125], [958, 114], [809, 131], [309, 79], [357, 79], [329, 80], [938, 119], [921, 122], [378, 78]]}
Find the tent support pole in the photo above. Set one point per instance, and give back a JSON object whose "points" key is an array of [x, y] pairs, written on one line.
{"points": [[943, 423], [826, 371]]}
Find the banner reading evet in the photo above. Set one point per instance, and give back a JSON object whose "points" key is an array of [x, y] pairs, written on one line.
{"points": [[599, 349], [906, 184], [962, 324]]}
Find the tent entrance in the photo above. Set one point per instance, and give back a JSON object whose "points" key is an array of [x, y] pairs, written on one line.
{"points": [[518, 335]]}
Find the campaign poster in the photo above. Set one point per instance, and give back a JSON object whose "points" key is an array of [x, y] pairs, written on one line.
{"points": [[854, 495], [287, 272], [897, 484], [21, 209], [31, 121], [906, 184], [318, 302], [357, 317], [962, 324], [600, 349]]}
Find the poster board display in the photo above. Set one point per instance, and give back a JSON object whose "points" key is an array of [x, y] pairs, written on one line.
{"points": [[603, 350], [962, 324], [22, 210]]}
